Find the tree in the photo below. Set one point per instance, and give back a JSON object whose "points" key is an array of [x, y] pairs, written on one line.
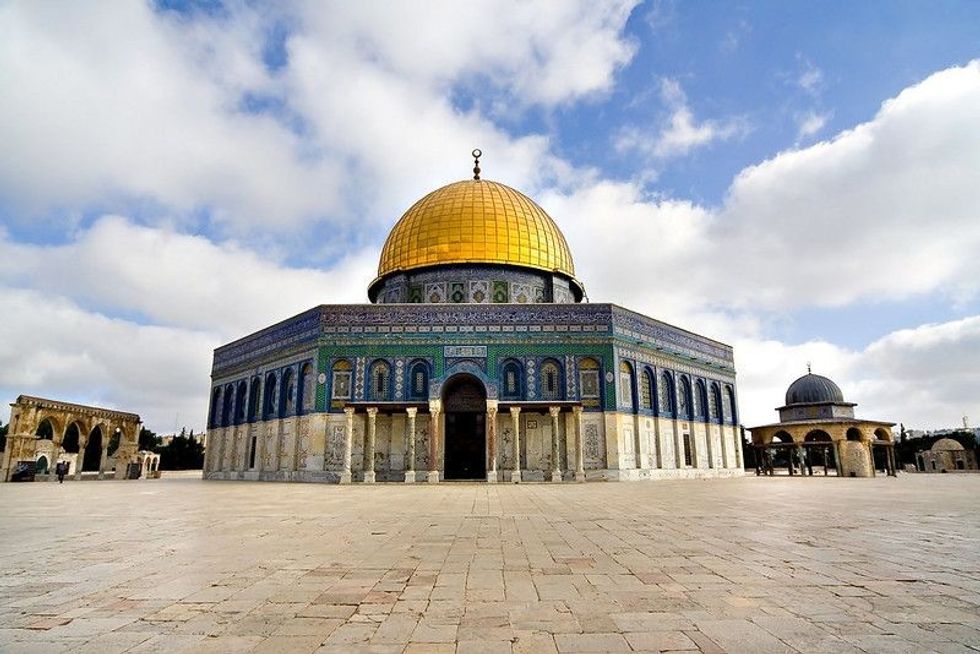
{"points": [[3, 435], [149, 441], [182, 453]]}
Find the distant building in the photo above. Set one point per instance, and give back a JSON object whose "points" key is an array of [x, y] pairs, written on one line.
{"points": [[43, 432], [946, 455], [817, 428]]}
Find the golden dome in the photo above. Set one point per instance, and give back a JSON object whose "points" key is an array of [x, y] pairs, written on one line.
{"points": [[476, 221]]}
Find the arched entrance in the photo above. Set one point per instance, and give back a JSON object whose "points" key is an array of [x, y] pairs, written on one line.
{"points": [[465, 405], [92, 459]]}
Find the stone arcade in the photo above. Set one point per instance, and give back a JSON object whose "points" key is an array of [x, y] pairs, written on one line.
{"points": [[90, 438], [476, 360]]}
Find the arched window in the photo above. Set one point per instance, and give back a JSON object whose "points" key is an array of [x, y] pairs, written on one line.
{"points": [[287, 403], [45, 431], [340, 382], [269, 406], [307, 388], [730, 408], [626, 385], [684, 399], [666, 394], [229, 395], [254, 395], [714, 404], [588, 381], [380, 380], [418, 382], [646, 390], [550, 380], [511, 381], [215, 407], [700, 400], [854, 434], [240, 403]]}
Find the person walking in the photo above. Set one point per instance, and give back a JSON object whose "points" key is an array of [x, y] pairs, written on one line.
{"points": [[60, 471]]}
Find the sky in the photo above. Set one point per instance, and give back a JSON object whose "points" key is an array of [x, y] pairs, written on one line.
{"points": [[798, 180]]}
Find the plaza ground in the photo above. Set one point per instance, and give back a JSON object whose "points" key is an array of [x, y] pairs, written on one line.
{"points": [[737, 565]]}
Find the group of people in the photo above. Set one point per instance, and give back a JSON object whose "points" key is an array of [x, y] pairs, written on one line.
{"points": [[61, 469]]}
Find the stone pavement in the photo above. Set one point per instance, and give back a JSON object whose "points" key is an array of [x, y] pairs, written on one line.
{"points": [[737, 565]]}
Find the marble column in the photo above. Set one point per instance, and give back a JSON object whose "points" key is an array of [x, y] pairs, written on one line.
{"points": [[555, 463], [80, 459], [724, 446], [515, 424], [55, 453], [738, 447], [492, 441], [345, 475], [410, 446], [435, 433], [579, 447], [372, 430], [103, 458]]}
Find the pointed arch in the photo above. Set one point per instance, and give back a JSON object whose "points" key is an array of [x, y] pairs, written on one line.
{"points": [[512, 380], [269, 403], [666, 399], [306, 388], [684, 399], [287, 401], [648, 391], [418, 380], [626, 385], [550, 380], [240, 393]]}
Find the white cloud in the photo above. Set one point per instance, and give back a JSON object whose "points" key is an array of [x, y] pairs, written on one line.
{"points": [[178, 280], [110, 103], [810, 122], [680, 132], [104, 107], [925, 377], [54, 348], [885, 211], [810, 78]]}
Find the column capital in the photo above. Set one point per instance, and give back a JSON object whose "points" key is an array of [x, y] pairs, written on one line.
{"points": [[411, 411], [577, 410], [372, 411], [493, 404], [435, 406], [349, 410], [554, 411], [515, 411]]}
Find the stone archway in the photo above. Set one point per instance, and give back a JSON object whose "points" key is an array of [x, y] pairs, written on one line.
{"points": [[54, 428], [465, 406]]}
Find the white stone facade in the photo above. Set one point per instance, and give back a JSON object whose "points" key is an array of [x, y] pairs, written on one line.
{"points": [[614, 446]]}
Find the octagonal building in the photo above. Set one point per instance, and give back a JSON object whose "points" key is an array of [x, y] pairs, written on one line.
{"points": [[476, 360]]}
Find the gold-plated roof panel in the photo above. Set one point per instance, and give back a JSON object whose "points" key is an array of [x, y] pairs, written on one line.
{"points": [[476, 221]]}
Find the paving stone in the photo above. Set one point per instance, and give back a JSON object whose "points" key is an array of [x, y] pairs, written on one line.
{"points": [[715, 565]]}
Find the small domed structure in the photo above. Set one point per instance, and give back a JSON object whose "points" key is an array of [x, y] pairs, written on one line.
{"points": [[946, 455], [812, 389], [817, 425], [947, 445]]}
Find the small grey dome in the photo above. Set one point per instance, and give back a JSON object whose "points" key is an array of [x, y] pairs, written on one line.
{"points": [[811, 389]]}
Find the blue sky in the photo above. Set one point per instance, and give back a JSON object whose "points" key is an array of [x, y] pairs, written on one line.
{"points": [[796, 179]]}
